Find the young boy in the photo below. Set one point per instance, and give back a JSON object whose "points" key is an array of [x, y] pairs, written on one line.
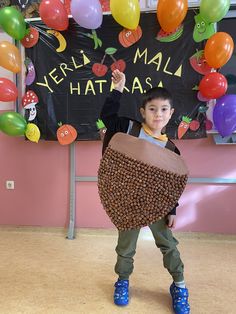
{"points": [[156, 112]]}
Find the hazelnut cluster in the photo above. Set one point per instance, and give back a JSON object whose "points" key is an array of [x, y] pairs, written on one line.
{"points": [[135, 194]]}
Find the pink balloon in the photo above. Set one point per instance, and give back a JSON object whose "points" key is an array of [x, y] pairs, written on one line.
{"points": [[87, 13], [53, 13], [201, 98], [8, 90]]}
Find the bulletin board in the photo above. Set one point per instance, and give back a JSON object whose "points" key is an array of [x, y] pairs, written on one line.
{"points": [[72, 85]]}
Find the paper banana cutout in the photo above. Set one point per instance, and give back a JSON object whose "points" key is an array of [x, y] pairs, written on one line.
{"points": [[30, 76], [60, 38]]}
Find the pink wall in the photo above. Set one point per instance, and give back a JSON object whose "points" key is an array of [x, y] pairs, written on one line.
{"points": [[204, 207], [41, 195]]}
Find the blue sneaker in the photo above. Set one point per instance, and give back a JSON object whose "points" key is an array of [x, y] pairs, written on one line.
{"points": [[121, 293], [179, 299]]}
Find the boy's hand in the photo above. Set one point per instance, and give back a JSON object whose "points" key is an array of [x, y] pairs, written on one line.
{"points": [[118, 79], [171, 221]]}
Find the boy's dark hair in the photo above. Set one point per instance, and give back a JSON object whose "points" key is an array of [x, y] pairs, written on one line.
{"points": [[155, 93]]}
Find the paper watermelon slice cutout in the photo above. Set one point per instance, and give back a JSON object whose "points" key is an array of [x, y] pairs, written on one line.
{"points": [[167, 37], [199, 64]]}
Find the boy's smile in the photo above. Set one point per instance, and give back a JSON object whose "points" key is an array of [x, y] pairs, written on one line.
{"points": [[156, 114]]}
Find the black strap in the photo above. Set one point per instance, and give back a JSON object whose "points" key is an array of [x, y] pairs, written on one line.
{"points": [[135, 129], [170, 145]]}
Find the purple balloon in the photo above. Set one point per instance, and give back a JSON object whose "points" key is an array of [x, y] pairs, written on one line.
{"points": [[87, 13], [224, 115]]}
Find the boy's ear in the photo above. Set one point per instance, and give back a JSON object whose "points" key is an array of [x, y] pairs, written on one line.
{"points": [[142, 112], [172, 111]]}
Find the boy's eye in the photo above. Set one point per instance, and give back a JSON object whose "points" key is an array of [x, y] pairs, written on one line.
{"points": [[151, 109]]}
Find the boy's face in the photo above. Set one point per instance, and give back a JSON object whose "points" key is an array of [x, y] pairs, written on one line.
{"points": [[157, 114]]}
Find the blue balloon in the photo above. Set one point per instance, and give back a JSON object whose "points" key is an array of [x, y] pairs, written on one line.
{"points": [[224, 115]]}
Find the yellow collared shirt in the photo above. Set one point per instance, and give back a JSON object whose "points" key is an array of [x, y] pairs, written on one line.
{"points": [[161, 137]]}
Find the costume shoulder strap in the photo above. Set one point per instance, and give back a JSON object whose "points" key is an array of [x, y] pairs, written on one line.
{"points": [[170, 145], [135, 129]]}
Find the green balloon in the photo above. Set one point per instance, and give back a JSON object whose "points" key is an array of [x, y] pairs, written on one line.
{"points": [[214, 10], [12, 22], [12, 123]]}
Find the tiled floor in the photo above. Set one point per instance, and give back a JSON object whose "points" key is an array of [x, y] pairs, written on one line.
{"points": [[41, 272]]}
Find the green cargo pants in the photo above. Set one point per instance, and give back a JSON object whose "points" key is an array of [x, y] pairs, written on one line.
{"points": [[126, 248]]}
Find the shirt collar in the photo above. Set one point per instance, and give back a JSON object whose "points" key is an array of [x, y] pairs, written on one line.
{"points": [[161, 137]]}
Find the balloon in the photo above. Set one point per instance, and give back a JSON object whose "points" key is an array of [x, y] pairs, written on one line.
{"points": [[218, 49], [126, 12], [224, 115], [87, 13], [10, 57], [213, 85], [32, 132], [214, 10], [171, 13], [12, 22], [8, 90], [201, 98], [54, 15], [12, 123]]}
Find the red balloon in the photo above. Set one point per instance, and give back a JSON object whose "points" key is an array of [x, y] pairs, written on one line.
{"points": [[8, 90], [53, 13], [213, 85]]}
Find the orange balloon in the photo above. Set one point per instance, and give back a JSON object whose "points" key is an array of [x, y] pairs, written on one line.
{"points": [[218, 50], [171, 13], [10, 57]]}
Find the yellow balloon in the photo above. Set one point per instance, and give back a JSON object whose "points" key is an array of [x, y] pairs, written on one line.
{"points": [[126, 12], [32, 132]]}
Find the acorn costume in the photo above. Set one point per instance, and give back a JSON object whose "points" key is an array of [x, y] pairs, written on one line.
{"points": [[138, 182]]}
